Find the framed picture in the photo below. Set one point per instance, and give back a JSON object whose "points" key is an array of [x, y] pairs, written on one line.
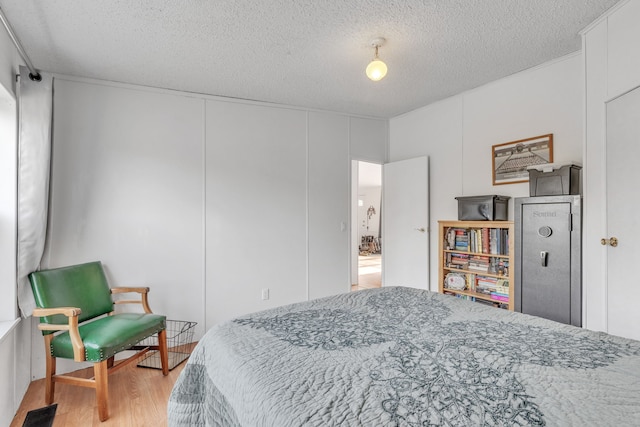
{"points": [[511, 159]]}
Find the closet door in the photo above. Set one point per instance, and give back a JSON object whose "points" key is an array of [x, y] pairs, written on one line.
{"points": [[622, 216]]}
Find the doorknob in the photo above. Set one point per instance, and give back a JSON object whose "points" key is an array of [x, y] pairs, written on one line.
{"points": [[421, 229], [612, 241]]}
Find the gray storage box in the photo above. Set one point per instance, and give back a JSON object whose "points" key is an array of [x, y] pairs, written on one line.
{"points": [[554, 180], [483, 208]]}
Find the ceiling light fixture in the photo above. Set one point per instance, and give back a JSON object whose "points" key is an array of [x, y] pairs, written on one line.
{"points": [[376, 69]]}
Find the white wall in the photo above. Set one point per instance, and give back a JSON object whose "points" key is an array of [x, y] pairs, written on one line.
{"points": [[256, 208], [623, 60], [457, 134], [367, 139], [206, 200], [127, 183], [328, 204]]}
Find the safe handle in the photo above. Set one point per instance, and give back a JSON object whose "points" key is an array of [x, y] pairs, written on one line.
{"points": [[543, 258]]}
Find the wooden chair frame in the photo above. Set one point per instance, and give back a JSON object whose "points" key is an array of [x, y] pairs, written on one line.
{"points": [[102, 369]]}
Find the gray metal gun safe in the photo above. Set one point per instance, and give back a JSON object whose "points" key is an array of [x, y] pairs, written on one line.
{"points": [[548, 271]]}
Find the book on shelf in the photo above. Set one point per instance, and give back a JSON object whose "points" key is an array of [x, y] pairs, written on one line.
{"points": [[471, 282], [485, 240], [488, 285], [479, 255], [503, 283], [491, 303], [460, 261], [493, 241], [499, 297], [461, 240], [487, 280], [449, 240], [479, 263], [476, 240], [493, 248], [503, 290], [498, 241]]}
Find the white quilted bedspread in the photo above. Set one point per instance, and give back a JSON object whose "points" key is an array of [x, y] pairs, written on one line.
{"points": [[405, 357]]}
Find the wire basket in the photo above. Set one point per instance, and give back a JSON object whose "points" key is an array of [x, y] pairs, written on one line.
{"points": [[179, 344]]}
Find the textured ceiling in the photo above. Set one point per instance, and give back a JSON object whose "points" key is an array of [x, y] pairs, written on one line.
{"points": [[308, 53]]}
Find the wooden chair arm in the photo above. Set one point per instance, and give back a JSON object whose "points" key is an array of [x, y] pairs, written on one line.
{"points": [[126, 289], [67, 311], [143, 291], [72, 314]]}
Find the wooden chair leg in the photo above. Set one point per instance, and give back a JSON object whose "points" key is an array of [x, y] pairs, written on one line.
{"points": [[164, 354], [110, 362], [102, 388], [49, 387]]}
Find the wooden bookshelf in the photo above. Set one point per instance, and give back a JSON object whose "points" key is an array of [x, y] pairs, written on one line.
{"points": [[482, 254]]}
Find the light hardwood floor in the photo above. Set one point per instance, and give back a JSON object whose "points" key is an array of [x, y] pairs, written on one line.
{"points": [[369, 272], [137, 398]]}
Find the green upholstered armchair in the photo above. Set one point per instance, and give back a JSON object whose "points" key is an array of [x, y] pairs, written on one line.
{"points": [[78, 322]]}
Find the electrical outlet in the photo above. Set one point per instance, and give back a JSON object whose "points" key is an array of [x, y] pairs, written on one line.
{"points": [[265, 293]]}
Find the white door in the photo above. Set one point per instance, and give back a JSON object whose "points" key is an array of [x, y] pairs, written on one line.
{"points": [[405, 219], [623, 177]]}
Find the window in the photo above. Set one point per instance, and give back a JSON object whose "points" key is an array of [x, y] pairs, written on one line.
{"points": [[8, 205]]}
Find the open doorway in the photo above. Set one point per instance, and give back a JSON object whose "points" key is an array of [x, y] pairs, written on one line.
{"points": [[366, 227]]}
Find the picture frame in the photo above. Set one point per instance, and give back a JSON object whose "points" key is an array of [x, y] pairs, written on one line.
{"points": [[510, 160]]}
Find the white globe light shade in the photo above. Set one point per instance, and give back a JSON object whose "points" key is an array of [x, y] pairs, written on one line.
{"points": [[376, 70]]}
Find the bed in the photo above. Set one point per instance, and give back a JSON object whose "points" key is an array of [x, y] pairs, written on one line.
{"points": [[405, 357]]}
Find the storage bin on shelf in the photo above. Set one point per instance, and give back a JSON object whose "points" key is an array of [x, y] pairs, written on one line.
{"points": [[554, 179], [483, 208], [179, 345]]}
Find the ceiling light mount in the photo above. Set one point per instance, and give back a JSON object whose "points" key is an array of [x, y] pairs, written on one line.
{"points": [[376, 70], [378, 42]]}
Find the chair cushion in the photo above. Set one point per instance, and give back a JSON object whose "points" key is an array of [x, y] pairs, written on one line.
{"points": [[108, 335]]}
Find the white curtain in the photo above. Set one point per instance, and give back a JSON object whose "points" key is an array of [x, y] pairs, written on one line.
{"points": [[35, 101]]}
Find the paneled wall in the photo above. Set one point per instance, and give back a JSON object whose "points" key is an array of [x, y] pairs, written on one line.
{"points": [[457, 134], [623, 60], [208, 201], [328, 204], [256, 208], [127, 184]]}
